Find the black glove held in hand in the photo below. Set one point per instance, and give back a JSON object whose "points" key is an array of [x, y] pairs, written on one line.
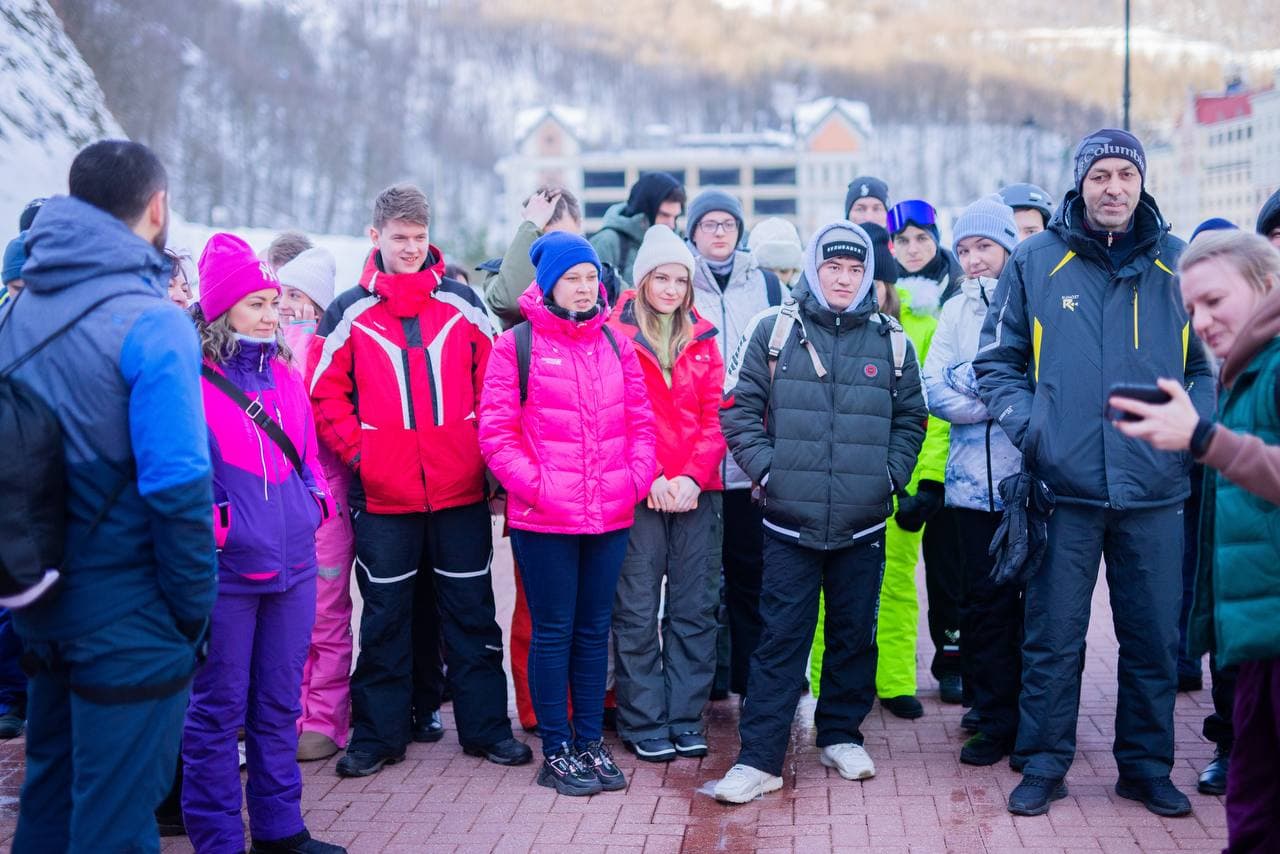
{"points": [[915, 510]]}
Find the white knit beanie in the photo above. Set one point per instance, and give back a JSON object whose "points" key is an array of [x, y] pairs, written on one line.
{"points": [[661, 246], [776, 245], [313, 272]]}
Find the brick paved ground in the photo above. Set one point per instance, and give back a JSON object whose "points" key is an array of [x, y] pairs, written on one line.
{"points": [[922, 800]]}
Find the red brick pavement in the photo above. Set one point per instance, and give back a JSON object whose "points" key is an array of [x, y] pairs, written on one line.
{"points": [[922, 800]]}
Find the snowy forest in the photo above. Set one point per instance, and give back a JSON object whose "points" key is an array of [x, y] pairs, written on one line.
{"points": [[286, 113]]}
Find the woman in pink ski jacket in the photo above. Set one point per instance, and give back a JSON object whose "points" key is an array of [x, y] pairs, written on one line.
{"points": [[576, 453], [307, 288], [270, 496]]}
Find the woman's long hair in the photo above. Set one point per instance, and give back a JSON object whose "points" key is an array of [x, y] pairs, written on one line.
{"points": [[647, 320], [218, 342]]}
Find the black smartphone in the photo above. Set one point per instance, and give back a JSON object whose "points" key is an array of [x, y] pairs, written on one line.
{"points": [[1151, 393]]}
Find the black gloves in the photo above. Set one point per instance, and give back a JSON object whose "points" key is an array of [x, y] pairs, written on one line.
{"points": [[915, 510]]}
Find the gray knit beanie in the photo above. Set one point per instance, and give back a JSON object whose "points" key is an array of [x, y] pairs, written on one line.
{"points": [[715, 200], [988, 217]]}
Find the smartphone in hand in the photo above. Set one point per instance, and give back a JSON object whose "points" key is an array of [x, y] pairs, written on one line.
{"points": [[1147, 393]]}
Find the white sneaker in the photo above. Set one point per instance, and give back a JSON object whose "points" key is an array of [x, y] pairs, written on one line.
{"points": [[850, 760], [744, 783]]}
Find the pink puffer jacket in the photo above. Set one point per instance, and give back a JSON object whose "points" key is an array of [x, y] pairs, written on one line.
{"points": [[580, 453]]}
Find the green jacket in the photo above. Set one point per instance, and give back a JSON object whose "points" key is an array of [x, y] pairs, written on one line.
{"points": [[502, 289], [932, 464], [1236, 608], [618, 241]]}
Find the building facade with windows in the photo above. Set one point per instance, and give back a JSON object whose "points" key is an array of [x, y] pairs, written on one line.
{"points": [[799, 173], [1222, 158]]}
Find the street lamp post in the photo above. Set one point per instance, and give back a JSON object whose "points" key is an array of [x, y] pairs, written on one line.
{"points": [[1126, 65]]}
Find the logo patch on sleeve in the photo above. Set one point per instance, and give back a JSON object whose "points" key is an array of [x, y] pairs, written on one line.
{"points": [[871, 371]]}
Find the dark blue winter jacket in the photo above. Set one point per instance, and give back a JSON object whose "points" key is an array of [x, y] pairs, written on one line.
{"points": [[125, 384], [1065, 325]]}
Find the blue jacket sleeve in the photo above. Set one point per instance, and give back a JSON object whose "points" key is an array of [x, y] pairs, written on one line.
{"points": [[1004, 355], [160, 361]]}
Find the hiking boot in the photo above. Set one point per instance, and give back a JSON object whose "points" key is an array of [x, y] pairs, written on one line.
{"points": [[690, 744], [1157, 794], [596, 757], [314, 746], [906, 707], [969, 723], [299, 843], [1213, 779], [1034, 795], [429, 729], [744, 784], [563, 772], [505, 752], [983, 749], [361, 763], [850, 761], [653, 749], [951, 688]]}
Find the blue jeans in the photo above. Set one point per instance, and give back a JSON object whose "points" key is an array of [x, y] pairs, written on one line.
{"points": [[569, 582], [13, 682]]}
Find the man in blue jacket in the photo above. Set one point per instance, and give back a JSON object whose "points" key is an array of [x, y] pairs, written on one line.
{"points": [[1089, 303], [113, 648]]}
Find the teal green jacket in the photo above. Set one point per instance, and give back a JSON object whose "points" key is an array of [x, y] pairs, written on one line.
{"points": [[1236, 608]]}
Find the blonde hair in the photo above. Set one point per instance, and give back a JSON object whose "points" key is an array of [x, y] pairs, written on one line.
{"points": [[218, 342], [647, 318], [1251, 254]]}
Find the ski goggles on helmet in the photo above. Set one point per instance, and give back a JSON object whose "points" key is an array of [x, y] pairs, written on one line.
{"points": [[911, 212]]}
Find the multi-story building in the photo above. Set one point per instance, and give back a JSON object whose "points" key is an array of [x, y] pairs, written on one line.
{"points": [[1222, 157], [799, 173]]}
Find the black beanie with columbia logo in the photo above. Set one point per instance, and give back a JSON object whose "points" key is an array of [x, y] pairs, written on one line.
{"points": [[1108, 142]]}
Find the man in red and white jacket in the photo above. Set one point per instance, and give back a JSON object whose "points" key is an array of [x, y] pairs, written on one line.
{"points": [[396, 371]]}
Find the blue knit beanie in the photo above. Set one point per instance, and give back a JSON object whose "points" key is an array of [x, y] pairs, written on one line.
{"points": [[15, 255], [555, 252], [1215, 223], [988, 217]]}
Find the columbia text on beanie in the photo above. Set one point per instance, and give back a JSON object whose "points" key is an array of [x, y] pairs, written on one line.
{"points": [[1108, 142]]}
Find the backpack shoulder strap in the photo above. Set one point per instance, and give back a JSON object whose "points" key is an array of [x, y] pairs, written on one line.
{"points": [[55, 335], [897, 341], [782, 327], [772, 286], [523, 333], [613, 342], [257, 414]]}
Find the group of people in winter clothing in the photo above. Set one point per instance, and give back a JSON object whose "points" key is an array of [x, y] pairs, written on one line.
{"points": [[722, 459]]}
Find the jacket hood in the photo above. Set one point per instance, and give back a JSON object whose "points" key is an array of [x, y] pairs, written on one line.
{"points": [[72, 242], [1264, 328], [811, 261], [404, 293], [534, 307], [633, 225]]}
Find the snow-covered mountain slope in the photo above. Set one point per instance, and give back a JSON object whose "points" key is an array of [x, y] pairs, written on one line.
{"points": [[50, 106]]}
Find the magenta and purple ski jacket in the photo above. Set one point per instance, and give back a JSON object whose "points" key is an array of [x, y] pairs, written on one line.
{"points": [[265, 515]]}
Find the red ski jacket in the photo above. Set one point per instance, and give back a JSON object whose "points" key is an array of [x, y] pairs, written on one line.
{"points": [[688, 411], [395, 372]]}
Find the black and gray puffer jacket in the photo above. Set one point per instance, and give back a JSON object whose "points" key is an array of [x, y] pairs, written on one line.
{"points": [[831, 450]]}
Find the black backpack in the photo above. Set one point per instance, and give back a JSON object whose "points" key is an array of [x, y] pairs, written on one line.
{"points": [[33, 481], [523, 333]]}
